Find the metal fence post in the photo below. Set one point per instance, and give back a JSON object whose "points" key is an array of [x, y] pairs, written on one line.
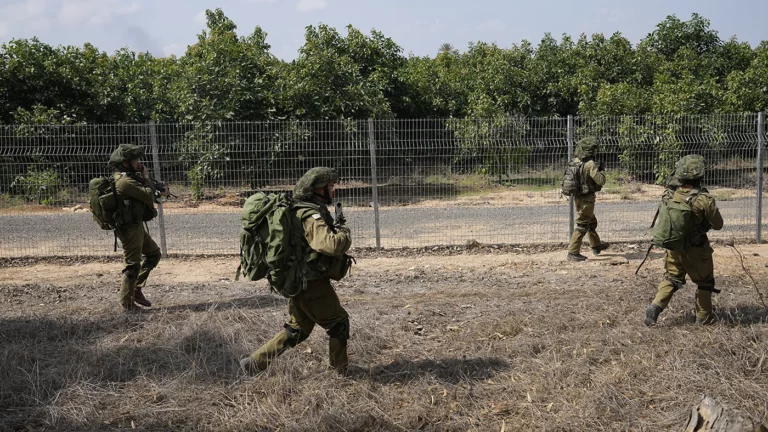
{"points": [[374, 182], [570, 156], [156, 160], [760, 145]]}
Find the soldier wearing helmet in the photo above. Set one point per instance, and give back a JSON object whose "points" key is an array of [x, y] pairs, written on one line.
{"points": [[695, 259], [134, 188], [591, 173], [326, 242]]}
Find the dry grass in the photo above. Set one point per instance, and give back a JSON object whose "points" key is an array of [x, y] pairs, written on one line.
{"points": [[463, 342]]}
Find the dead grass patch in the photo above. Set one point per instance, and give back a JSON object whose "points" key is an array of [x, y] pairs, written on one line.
{"points": [[458, 342]]}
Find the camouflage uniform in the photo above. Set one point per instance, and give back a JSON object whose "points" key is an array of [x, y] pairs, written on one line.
{"points": [[586, 222], [137, 196], [318, 304], [695, 259]]}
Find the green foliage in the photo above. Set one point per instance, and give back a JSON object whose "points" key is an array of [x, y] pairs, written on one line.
{"points": [[196, 177], [679, 67], [485, 91], [41, 187]]}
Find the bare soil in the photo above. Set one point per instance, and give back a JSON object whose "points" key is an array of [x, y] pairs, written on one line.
{"points": [[493, 197], [445, 338]]}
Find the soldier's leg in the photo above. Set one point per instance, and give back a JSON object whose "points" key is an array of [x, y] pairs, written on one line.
{"points": [[698, 262], [591, 222], [674, 279], [132, 241], [322, 305], [295, 331], [581, 229], [152, 255]]}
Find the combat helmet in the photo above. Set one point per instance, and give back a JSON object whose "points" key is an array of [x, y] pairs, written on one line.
{"points": [[690, 167], [124, 153], [586, 148], [314, 178]]}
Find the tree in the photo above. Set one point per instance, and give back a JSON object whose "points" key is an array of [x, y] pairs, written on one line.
{"points": [[447, 48]]}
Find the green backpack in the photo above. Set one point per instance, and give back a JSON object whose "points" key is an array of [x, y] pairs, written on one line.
{"points": [[572, 184], [674, 221], [102, 198], [271, 243]]}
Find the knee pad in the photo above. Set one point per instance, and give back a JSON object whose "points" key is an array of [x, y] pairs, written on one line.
{"points": [[152, 259], [582, 228], [132, 271], [676, 285], [711, 289], [340, 331], [295, 336]]}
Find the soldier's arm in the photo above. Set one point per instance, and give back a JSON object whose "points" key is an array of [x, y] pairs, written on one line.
{"points": [[597, 176], [322, 239], [131, 188], [712, 213]]}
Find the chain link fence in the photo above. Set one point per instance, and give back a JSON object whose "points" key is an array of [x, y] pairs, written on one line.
{"points": [[406, 183]]}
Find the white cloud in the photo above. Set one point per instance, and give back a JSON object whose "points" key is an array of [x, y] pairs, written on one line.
{"points": [[311, 5], [200, 17], [28, 15], [95, 12]]}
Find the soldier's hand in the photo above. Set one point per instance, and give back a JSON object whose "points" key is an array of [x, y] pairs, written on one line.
{"points": [[343, 229]]}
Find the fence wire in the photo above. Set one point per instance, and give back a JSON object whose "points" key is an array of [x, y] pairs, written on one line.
{"points": [[431, 182]]}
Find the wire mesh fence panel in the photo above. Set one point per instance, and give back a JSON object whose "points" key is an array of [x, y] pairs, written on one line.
{"points": [[215, 168], [639, 154], [456, 180], [44, 175], [437, 181]]}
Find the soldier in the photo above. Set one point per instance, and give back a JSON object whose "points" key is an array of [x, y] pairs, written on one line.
{"points": [[593, 177], [696, 257], [134, 188], [318, 303]]}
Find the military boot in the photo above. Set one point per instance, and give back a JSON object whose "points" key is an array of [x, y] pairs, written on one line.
{"points": [[251, 367], [576, 257], [139, 298], [601, 247], [652, 314]]}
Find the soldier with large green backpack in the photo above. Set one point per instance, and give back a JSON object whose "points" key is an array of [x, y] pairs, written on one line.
{"points": [[686, 213], [583, 177], [295, 243], [122, 203]]}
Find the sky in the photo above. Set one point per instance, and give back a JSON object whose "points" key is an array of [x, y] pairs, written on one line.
{"points": [[165, 27]]}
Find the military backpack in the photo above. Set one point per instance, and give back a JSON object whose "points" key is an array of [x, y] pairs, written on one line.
{"points": [[673, 225], [103, 201], [573, 183], [270, 243]]}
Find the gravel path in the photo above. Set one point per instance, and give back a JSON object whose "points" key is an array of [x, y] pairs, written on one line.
{"points": [[64, 234]]}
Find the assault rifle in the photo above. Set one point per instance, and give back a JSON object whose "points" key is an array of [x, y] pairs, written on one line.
{"points": [[339, 211], [656, 216], [160, 187]]}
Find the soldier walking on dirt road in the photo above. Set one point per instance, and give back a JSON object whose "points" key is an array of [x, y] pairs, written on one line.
{"points": [[135, 190], [325, 242], [590, 177], [694, 256]]}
